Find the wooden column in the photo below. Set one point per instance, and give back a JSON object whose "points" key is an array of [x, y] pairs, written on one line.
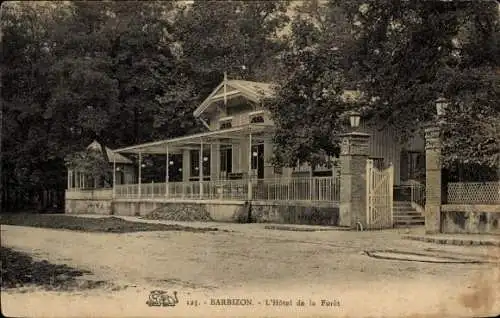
{"points": [[200, 170], [250, 166], [167, 175], [268, 154], [114, 176], [69, 178], [186, 165], [215, 161], [140, 176]]}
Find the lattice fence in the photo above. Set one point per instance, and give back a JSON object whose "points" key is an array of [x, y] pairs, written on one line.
{"points": [[474, 193]]}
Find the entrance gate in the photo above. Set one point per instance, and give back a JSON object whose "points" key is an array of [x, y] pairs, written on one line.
{"points": [[379, 185]]}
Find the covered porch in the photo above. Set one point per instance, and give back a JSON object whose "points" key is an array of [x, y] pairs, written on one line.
{"points": [[310, 189], [228, 164]]}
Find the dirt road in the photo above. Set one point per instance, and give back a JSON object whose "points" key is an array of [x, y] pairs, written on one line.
{"points": [[259, 265]]}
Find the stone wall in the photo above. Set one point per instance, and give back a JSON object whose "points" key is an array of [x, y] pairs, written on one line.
{"points": [[470, 219], [87, 206], [295, 214], [218, 211], [237, 211], [88, 202]]}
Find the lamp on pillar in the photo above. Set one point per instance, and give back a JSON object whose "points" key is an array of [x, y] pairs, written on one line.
{"points": [[354, 118], [441, 105], [354, 151], [435, 184]]}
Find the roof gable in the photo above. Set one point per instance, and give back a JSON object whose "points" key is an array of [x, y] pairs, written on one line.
{"points": [[254, 91]]}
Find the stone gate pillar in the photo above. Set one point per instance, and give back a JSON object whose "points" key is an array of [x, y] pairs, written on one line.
{"points": [[433, 180], [353, 158]]}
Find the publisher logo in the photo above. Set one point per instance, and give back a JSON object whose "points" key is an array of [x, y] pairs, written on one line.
{"points": [[161, 298]]}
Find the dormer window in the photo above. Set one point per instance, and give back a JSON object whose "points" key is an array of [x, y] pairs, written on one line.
{"points": [[225, 123], [257, 117]]}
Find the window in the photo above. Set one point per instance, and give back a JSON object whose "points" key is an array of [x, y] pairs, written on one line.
{"points": [[412, 165], [225, 124], [226, 160], [195, 163], [416, 164], [257, 119]]}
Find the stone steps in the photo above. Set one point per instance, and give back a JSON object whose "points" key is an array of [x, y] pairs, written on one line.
{"points": [[405, 215]]}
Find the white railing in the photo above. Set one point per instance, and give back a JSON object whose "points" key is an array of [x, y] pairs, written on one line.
{"points": [[474, 192], [412, 191], [325, 189], [223, 190], [297, 189]]}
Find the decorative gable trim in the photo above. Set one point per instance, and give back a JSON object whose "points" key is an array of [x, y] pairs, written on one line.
{"points": [[252, 91]]}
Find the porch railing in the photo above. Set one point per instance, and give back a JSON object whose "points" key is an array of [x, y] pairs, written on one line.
{"points": [[286, 189], [297, 189], [224, 190], [413, 191], [474, 192]]}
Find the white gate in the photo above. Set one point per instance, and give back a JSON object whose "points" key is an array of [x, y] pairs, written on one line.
{"points": [[379, 185]]}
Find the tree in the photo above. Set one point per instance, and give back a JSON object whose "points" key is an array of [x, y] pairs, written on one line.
{"points": [[401, 56], [220, 36], [27, 164], [92, 163], [411, 53], [308, 106], [148, 71], [79, 71]]}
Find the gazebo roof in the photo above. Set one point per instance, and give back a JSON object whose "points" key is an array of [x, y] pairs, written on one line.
{"points": [[112, 156]]}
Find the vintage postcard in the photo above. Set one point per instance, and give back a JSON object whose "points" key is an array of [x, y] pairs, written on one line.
{"points": [[313, 158]]}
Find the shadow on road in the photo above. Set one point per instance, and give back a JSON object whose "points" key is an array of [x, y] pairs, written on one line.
{"points": [[19, 270]]}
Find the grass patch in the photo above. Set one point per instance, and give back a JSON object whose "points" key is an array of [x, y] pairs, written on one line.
{"points": [[19, 269], [107, 224]]}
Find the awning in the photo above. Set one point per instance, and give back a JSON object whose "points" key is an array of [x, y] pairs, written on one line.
{"points": [[176, 145]]}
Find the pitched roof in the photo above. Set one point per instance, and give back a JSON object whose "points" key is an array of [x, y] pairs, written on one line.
{"points": [[118, 157], [254, 91]]}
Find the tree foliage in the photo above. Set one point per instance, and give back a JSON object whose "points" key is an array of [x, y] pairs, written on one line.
{"points": [[411, 53], [118, 72], [92, 163], [219, 36], [308, 106], [402, 56], [129, 72]]}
